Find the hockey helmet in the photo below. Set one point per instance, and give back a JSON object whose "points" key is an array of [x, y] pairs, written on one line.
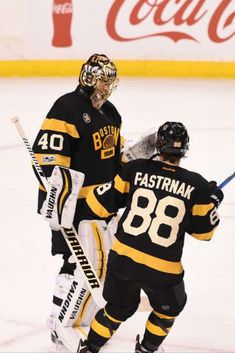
{"points": [[99, 67], [172, 139]]}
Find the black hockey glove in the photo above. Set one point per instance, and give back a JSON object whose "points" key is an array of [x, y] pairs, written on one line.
{"points": [[217, 194]]}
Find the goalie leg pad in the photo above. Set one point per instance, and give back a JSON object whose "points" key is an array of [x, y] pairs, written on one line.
{"points": [[62, 284], [96, 239], [73, 303], [78, 308]]}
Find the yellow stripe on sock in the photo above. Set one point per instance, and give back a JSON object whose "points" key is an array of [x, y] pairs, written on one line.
{"points": [[155, 330], [100, 329]]}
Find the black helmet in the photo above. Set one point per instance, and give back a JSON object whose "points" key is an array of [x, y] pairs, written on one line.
{"points": [[98, 67], [172, 139]]}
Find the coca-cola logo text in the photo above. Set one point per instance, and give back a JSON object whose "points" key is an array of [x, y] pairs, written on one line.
{"points": [[220, 20], [63, 9]]}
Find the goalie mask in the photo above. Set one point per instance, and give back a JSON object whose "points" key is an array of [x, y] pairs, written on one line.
{"points": [[172, 139], [99, 76]]}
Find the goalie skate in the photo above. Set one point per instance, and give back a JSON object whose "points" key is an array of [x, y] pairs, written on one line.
{"points": [[66, 339], [82, 348], [59, 346]]}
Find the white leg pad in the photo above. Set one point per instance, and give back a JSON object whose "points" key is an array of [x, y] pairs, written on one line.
{"points": [[70, 336], [78, 307], [96, 238], [62, 285]]}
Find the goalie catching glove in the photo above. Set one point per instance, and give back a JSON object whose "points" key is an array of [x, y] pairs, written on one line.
{"points": [[60, 204], [144, 147]]}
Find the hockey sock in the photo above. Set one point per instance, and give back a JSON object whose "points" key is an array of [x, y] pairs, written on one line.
{"points": [[102, 328], [157, 328]]}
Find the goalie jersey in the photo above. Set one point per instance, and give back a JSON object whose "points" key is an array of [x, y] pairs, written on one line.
{"points": [[77, 136], [161, 203]]}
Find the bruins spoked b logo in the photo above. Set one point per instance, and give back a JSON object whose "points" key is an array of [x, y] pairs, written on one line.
{"points": [[86, 118]]}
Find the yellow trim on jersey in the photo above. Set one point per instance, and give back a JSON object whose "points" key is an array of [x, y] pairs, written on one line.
{"points": [[59, 159], [96, 206], [204, 236], [60, 126], [124, 159], [121, 185], [163, 316], [100, 329], [122, 141], [85, 190], [111, 318], [147, 260], [156, 330], [202, 210]]}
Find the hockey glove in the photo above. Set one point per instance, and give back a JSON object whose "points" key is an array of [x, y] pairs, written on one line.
{"points": [[144, 147], [216, 193]]}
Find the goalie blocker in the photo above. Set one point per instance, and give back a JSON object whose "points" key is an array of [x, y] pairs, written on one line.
{"points": [[60, 204]]}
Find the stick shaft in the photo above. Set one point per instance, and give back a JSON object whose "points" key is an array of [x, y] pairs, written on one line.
{"points": [[226, 181], [37, 166], [70, 235]]}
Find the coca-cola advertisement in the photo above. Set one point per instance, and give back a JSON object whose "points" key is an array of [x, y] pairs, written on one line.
{"points": [[62, 11], [192, 20], [202, 30]]}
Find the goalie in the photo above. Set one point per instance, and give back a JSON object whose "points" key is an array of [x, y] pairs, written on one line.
{"points": [[79, 148]]}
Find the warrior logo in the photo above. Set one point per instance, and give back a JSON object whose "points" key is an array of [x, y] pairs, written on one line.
{"points": [[79, 253]]}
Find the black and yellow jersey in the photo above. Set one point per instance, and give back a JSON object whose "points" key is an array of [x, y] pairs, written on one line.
{"points": [[77, 136], [161, 203]]}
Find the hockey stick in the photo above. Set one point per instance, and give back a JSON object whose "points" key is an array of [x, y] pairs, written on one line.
{"points": [[70, 235], [227, 180]]}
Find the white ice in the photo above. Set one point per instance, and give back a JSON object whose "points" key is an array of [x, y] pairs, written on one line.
{"points": [[27, 269]]}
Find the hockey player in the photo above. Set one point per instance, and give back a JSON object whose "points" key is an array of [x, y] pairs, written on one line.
{"points": [[81, 132], [162, 202]]}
